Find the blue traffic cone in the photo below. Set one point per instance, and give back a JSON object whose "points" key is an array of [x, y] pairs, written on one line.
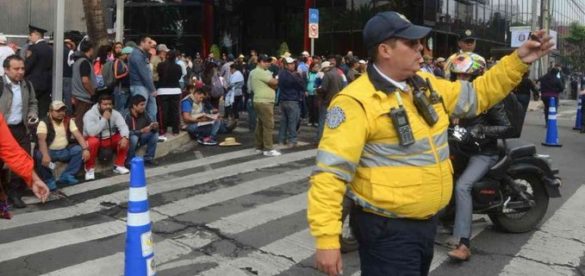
{"points": [[552, 135], [139, 254], [579, 117]]}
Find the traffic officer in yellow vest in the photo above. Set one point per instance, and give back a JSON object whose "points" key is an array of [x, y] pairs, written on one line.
{"points": [[386, 136]]}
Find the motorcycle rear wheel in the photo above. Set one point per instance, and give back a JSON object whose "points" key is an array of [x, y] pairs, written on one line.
{"points": [[521, 223]]}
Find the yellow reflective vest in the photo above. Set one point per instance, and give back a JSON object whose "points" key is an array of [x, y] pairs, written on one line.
{"points": [[360, 147]]}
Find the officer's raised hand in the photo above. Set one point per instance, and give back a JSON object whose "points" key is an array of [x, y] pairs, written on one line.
{"points": [[536, 47]]}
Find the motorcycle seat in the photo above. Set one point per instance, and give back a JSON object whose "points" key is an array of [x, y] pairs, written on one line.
{"points": [[516, 148]]}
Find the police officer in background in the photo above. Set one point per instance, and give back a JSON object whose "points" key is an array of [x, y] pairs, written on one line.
{"points": [[39, 67], [386, 136], [466, 43]]}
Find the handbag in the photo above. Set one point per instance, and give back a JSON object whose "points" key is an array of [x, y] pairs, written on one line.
{"points": [[105, 155]]}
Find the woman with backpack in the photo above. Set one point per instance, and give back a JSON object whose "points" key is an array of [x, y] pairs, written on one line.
{"points": [[169, 94], [101, 73]]}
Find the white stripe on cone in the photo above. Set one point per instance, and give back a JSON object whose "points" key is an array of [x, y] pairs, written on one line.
{"points": [[138, 219]]}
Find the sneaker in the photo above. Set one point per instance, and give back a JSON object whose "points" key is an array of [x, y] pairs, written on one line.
{"points": [[272, 153], [162, 138], [121, 170], [207, 141], [258, 151], [90, 175]]}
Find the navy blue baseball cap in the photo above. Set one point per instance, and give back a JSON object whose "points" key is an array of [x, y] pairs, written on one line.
{"points": [[391, 24]]}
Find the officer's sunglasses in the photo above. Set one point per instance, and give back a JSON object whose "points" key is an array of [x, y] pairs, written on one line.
{"points": [[412, 43]]}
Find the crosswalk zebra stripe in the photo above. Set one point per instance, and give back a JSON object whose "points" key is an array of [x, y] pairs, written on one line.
{"points": [[93, 205], [174, 248], [165, 251], [265, 213], [557, 246], [22, 248], [271, 259]]}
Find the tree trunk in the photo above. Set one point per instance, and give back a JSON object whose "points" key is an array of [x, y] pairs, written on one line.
{"points": [[96, 25]]}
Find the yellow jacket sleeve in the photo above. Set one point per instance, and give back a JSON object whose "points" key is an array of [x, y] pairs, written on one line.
{"points": [[468, 99], [343, 140]]}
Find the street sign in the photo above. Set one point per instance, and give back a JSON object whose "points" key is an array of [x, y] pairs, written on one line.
{"points": [[314, 16], [313, 30], [313, 23]]}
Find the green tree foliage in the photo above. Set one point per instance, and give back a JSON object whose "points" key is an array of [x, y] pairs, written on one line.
{"points": [[216, 51], [576, 46]]}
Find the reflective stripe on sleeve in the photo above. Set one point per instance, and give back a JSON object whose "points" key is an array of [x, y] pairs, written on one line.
{"points": [[331, 163], [467, 103]]}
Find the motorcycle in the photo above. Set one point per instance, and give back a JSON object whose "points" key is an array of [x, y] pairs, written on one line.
{"points": [[514, 193]]}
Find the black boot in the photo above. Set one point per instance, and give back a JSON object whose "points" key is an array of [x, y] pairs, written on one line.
{"points": [[14, 198]]}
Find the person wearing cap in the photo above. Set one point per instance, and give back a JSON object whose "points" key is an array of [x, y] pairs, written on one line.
{"points": [[439, 65], [39, 67], [141, 82], [155, 60], [54, 145], [263, 84], [292, 88], [466, 43], [308, 56], [18, 103], [397, 183], [5, 51]]}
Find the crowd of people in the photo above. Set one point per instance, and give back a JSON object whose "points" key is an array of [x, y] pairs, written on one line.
{"points": [[119, 97]]}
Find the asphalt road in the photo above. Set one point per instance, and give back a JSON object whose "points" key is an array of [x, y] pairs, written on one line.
{"points": [[228, 211]]}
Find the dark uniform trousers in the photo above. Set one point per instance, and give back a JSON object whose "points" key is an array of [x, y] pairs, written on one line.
{"points": [[21, 135], [393, 246]]}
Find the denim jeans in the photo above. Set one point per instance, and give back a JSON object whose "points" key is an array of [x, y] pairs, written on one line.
{"points": [[150, 100], [149, 139], [197, 132], [289, 118], [72, 155], [477, 167], [121, 96], [67, 95]]}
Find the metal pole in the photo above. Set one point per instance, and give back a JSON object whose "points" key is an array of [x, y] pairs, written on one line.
{"points": [[546, 27], [119, 20], [534, 71], [58, 50], [312, 46]]}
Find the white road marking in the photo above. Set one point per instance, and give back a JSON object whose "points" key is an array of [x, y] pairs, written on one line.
{"points": [[557, 246], [94, 205]]}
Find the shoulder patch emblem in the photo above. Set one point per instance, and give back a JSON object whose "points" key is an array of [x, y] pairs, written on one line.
{"points": [[335, 117]]}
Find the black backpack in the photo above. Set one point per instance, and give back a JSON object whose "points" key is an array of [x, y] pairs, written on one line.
{"points": [[516, 114]]}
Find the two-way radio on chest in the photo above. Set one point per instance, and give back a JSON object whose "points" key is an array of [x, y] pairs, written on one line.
{"points": [[401, 123]]}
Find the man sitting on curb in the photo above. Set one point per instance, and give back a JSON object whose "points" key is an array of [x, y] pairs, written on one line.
{"points": [[202, 125], [106, 131], [53, 144], [142, 130]]}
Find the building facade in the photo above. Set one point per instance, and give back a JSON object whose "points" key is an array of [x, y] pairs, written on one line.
{"points": [[238, 26]]}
